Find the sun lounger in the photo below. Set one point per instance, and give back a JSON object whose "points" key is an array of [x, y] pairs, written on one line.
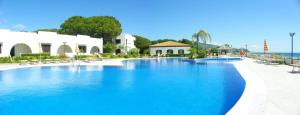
{"points": [[295, 66], [87, 60], [99, 57], [47, 61], [65, 61], [271, 62], [23, 62], [261, 61], [34, 62], [54, 61]]}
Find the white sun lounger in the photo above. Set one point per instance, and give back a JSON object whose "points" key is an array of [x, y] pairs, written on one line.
{"points": [[295, 66], [23, 62]]}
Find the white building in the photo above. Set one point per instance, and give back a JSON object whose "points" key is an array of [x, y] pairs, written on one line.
{"points": [[169, 47], [17, 43], [124, 43]]}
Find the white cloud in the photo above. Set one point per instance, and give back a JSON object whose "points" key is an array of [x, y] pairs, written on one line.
{"points": [[19, 27]]}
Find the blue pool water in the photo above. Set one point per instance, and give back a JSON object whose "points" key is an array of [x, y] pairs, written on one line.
{"points": [[140, 87], [212, 60]]}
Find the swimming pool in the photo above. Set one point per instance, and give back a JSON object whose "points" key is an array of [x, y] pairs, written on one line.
{"points": [[214, 60], [140, 87]]}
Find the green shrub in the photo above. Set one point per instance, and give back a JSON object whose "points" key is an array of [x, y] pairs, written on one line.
{"points": [[106, 55], [109, 47], [193, 53], [176, 55], [146, 52], [36, 54], [201, 55], [6, 60], [29, 57], [134, 52], [121, 55], [79, 57], [63, 56]]}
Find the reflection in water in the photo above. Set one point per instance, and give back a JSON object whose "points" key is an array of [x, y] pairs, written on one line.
{"points": [[129, 65]]}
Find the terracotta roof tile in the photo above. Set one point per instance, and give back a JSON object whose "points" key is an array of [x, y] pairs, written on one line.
{"points": [[170, 44]]}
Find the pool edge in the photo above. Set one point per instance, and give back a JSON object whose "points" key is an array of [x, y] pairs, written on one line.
{"points": [[113, 62], [252, 101]]}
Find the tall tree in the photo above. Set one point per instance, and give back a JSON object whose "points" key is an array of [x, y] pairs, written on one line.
{"points": [[186, 41], [161, 40], [142, 43], [195, 39], [47, 30], [204, 36], [74, 25], [106, 27]]}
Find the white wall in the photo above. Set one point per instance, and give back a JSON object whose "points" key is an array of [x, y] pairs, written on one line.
{"points": [[130, 41], [8, 39], [164, 50]]}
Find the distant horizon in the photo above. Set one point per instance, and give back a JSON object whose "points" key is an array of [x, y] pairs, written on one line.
{"points": [[278, 52], [234, 22]]}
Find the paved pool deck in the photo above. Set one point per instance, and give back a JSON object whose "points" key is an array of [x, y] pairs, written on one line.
{"points": [[270, 90]]}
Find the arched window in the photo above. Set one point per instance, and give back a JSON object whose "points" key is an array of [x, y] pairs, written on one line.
{"points": [[169, 51], [63, 49], [181, 51], [95, 50], [158, 52], [19, 49]]}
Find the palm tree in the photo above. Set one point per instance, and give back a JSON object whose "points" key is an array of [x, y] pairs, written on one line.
{"points": [[204, 36], [196, 37]]}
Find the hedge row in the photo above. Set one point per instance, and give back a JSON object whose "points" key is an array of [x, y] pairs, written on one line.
{"points": [[36, 54], [176, 55]]}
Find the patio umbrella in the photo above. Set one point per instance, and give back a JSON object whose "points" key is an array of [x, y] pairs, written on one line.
{"points": [[266, 48]]}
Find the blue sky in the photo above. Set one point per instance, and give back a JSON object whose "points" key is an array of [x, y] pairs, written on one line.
{"points": [[237, 22]]}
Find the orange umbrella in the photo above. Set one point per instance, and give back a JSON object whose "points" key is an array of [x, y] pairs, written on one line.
{"points": [[266, 48]]}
